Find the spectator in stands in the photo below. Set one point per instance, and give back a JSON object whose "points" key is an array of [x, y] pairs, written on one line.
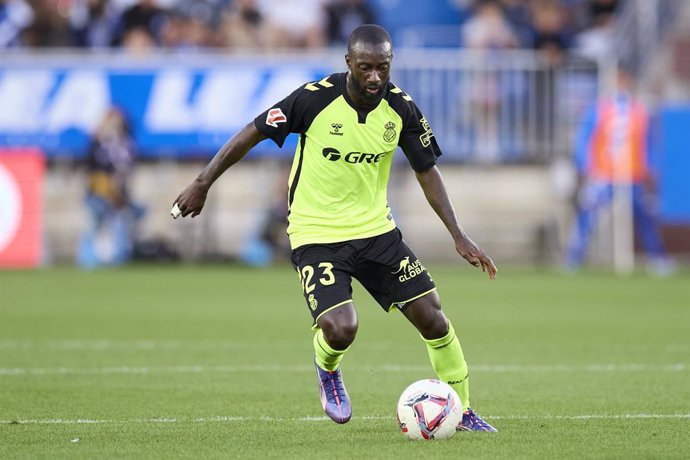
{"points": [[245, 26], [113, 213], [551, 33], [344, 16], [551, 40], [49, 28], [298, 23], [93, 23], [15, 16], [613, 148], [144, 14], [597, 41], [517, 13], [138, 41], [488, 30]]}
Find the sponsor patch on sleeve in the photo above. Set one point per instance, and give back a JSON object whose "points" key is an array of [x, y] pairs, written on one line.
{"points": [[275, 116], [425, 138]]}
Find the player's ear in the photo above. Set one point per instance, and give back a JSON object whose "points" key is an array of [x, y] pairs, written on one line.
{"points": [[347, 59]]}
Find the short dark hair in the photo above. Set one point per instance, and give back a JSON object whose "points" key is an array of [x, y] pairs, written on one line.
{"points": [[371, 34]]}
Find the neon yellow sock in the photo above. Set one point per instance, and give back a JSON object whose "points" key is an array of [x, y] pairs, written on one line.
{"points": [[326, 357], [449, 363]]}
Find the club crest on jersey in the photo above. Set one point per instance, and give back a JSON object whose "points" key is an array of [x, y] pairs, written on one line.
{"points": [[274, 117], [389, 134], [425, 138], [336, 129]]}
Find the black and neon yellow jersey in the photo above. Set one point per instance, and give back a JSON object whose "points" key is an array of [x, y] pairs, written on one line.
{"points": [[339, 177]]}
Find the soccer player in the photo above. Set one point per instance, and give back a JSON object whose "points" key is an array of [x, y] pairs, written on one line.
{"points": [[339, 224]]}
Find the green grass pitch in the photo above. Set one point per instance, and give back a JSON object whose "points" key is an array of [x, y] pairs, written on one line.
{"points": [[216, 362]]}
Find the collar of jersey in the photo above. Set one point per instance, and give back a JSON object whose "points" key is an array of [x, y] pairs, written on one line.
{"points": [[362, 112]]}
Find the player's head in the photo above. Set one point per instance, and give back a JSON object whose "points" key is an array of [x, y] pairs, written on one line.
{"points": [[369, 56]]}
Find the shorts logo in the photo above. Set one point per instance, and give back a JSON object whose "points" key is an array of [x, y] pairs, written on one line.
{"points": [[336, 129], [274, 117], [403, 265], [425, 138], [409, 270], [389, 134], [313, 303]]}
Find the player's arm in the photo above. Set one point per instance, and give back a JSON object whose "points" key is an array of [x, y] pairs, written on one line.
{"points": [[434, 189], [192, 199]]}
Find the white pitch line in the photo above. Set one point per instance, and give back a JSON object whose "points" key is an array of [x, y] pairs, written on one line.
{"points": [[104, 345], [230, 369], [176, 344], [232, 419], [538, 368]]}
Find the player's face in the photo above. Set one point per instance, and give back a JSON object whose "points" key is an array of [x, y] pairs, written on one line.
{"points": [[369, 71]]}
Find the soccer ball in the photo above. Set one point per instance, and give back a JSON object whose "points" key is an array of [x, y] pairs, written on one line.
{"points": [[429, 409]]}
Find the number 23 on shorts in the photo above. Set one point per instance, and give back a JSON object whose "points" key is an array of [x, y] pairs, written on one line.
{"points": [[326, 276]]}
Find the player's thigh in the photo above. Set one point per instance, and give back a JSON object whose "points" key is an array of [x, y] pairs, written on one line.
{"points": [[391, 272], [325, 276]]}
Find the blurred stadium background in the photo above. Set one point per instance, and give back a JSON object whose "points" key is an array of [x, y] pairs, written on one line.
{"points": [[186, 357], [503, 83]]}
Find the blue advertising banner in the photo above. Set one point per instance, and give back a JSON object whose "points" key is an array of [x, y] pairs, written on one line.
{"points": [[675, 165], [175, 109]]}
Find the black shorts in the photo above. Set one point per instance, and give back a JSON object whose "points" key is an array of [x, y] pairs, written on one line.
{"points": [[383, 264]]}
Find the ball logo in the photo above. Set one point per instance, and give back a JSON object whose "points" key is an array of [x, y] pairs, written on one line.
{"points": [[331, 154], [274, 117], [10, 207]]}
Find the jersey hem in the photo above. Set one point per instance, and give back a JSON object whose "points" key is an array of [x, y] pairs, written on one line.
{"points": [[303, 241]]}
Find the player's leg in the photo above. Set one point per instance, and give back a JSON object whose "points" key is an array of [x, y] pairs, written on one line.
{"points": [[395, 277], [326, 284], [336, 330], [443, 346], [445, 353]]}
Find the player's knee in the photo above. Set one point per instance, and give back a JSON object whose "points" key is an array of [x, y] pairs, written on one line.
{"points": [[340, 334], [339, 327], [426, 315], [433, 325]]}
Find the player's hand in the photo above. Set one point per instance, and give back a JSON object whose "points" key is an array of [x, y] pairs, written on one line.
{"points": [[476, 256], [191, 201]]}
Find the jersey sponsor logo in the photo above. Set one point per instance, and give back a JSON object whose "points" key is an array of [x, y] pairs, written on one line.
{"points": [[409, 270], [425, 138], [336, 129], [275, 116], [332, 154], [389, 133]]}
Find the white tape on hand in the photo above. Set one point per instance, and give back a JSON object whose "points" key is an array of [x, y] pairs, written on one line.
{"points": [[175, 211]]}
